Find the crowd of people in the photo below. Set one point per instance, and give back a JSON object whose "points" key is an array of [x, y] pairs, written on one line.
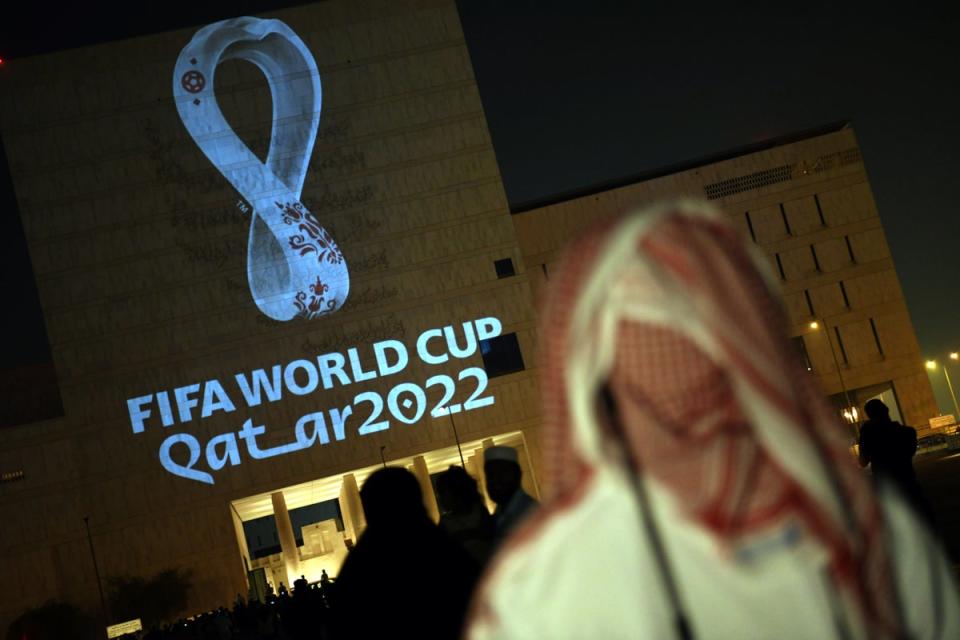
{"points": [[404, 572], [300, 614], [699, 483]]}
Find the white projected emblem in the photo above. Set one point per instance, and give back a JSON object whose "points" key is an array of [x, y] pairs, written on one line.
{"points": [[294, 267]]}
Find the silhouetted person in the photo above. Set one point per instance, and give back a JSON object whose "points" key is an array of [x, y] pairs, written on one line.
{"points": [[463, 514], [324, 578], [300, 584], [431, 600], [888, 447], [503, 475]]}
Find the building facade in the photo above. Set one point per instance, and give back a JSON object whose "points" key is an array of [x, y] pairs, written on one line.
{"points": [[156, 292], [191, 405], [806, 202]]}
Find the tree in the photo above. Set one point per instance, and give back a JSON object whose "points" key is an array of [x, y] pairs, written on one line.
{"points": [[153, 601]]}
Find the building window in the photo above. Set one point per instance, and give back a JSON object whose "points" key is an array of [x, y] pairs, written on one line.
{"points": [[853, 258], [876, 336], [806, 294], [843, 351], [843, 292], [816, 200], [783, 276], [753, 234], [816, 262], [786, 223], [546, 272], [801, 348], [504, 268], [501, 355]]}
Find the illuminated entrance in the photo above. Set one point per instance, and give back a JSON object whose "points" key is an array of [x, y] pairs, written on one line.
{"points": [[308, 528]]}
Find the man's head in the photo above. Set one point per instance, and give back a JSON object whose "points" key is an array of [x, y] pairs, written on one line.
{"points": [[457, 491], [392, 496], [502, 472], [876, 410]]}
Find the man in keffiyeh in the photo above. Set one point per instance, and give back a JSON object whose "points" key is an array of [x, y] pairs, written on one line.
{"points": [[699, 483]]}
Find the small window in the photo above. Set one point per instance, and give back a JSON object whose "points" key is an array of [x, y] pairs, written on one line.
{"points": [[843, 291], [504, 268], [853, 258], [816, 200], [816, 261], [501, 355], [786, 223], [783, 276], [806, 294], [753, 234], [843, 350], [801, 348], [876, 336]]}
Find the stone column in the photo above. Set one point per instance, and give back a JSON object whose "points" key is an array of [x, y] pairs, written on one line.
{"points": [[354, 521], [426, 487], [288, 542]]}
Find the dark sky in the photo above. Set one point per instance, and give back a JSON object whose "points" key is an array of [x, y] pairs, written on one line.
{"points": [[588, 92]]}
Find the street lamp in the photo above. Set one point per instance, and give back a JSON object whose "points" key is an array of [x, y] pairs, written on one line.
{"points": [[932, 366], [850, 414], [436, 413], [96, 572]]}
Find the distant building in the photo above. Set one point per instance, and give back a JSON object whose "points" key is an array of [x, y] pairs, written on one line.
{"points": [[805, 200]]}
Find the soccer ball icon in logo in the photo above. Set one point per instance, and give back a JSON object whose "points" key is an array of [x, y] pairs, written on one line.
{"points": [[193, 81]]}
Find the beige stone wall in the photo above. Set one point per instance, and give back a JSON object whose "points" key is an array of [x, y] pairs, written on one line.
{"points": [[821, 175], [139, 252]]}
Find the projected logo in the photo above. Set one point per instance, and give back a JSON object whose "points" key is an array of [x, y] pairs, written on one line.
{"points": [[294, 266]]}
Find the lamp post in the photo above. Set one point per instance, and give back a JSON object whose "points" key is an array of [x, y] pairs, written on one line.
{"points": [[932, 366], [96, 571], [955, 357], [850, 414], [456, 436]]}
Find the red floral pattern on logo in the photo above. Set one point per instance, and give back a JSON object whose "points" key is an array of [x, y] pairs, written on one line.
{"points": [[314, 238], [316, 305]]}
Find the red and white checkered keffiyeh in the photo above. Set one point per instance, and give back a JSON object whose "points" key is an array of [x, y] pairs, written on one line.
{"points": [[676, 316]]}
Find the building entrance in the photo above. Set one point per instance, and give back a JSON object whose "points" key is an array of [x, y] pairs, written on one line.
{"points": [[308, 529]]}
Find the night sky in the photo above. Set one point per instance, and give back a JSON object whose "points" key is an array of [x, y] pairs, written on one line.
{"points": [[586, 93]]}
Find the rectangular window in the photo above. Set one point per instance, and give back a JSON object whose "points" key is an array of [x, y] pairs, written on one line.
{"points": [[786, 223], [806, 294], [843, 292], [501, 355], [853, 258], [843, 352], [816, 263], [783, 276], [753, 234], [504, 268], [876, 336], [816, 200], [801, 348]]}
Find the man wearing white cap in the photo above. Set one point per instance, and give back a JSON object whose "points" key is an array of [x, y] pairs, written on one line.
{"points": [[503, 474]]}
